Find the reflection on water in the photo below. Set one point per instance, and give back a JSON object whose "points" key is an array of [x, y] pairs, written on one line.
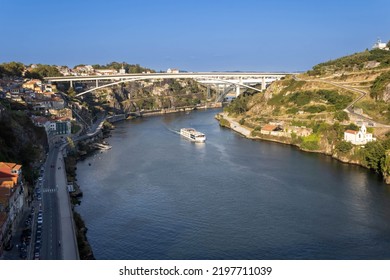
{"points": [[156, 195]]}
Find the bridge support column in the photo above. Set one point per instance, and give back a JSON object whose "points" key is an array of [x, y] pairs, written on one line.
{"points": [[97, 83], [208, 92], [237, 90], [263, 84], [71, 83]]}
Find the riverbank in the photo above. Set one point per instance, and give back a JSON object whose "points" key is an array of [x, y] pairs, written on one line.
{"points": [[81, 151], [213, 105], [233, 124]]}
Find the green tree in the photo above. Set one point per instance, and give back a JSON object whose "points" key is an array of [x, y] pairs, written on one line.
{"points": [[373, 154], [13, 69], [379, 85], [71, 92], [352, 126], [344, 146], [238, 105], [341, 116]]}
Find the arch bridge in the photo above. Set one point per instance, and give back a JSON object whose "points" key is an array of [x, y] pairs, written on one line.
{"points": [[224, 82]]}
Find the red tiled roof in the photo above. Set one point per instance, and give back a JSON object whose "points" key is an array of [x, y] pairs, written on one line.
{"points": [[10, 165], [351, 131], [269, 127]]}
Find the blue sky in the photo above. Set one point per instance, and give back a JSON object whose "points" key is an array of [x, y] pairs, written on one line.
{"points": [[201, 35]]}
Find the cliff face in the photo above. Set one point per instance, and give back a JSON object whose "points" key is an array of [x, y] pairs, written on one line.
{"points": [[386, 93], [148, 95]]}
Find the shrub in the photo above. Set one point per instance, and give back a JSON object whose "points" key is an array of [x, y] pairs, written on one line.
{"points": [[310, 142], [344, 146], [224, 122], [315, 109], [341, 116]]}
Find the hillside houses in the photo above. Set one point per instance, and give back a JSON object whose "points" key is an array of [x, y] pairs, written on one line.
{"points": [[53, 126]]}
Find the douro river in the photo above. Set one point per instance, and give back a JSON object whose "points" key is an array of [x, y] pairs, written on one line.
{"points": [[155, 195]]}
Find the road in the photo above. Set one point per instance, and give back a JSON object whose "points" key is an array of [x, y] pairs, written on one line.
{"points": [[58, 235], [51, 227], [349, 108], [58, 238]]}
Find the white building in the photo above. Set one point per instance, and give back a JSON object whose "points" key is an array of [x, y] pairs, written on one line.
{"points": [[101, 72], [122, 70], [360, 137], [380, 45], [172, 71]]}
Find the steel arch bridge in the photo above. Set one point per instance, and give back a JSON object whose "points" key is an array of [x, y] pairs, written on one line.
{"points": [[237, 79]]}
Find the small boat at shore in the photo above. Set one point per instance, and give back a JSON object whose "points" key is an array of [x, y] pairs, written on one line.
{"points": [[193, 135]]}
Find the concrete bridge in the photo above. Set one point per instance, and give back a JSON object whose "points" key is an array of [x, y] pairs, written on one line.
{"points": [[224, 82]]}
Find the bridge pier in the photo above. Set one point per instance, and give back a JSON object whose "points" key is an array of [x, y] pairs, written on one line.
{"points": [[237, 90], [263, 83], [97, 83], [70, 83]]}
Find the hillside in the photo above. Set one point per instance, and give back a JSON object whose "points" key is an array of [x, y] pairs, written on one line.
{"points": [[20, 140], [147, 95], [312, 110]]}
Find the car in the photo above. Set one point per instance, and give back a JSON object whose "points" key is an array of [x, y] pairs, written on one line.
{"points": [[23, 255], [40, 221], [40, 179], [36, 254]]}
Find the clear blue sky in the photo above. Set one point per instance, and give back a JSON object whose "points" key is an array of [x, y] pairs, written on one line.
{"points": [[193, 35]]}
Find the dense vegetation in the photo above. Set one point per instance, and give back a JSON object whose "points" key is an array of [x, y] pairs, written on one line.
{"points": [[325, 100], [17, 69], [14, 69], [130, 68], [21, 141], [353, 62], [379, 86], [42, 71], [239, 105]]}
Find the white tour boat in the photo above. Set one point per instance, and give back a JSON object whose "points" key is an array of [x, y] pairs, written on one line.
{"points": [[193, 135]]}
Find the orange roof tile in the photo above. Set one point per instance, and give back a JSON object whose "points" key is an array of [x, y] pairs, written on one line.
{"points": [[10, 165], [351, 131], [269, 127]]}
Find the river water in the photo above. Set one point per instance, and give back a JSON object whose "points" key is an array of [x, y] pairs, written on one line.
{"points": [[155, 195]]}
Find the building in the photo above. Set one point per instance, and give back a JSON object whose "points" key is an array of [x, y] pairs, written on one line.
{"points": [[122, 70], [270, 129], [62, 127], [101, 72], [12, 200], [380, 45], [360, 137], [300, 131], [172, 71]]}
